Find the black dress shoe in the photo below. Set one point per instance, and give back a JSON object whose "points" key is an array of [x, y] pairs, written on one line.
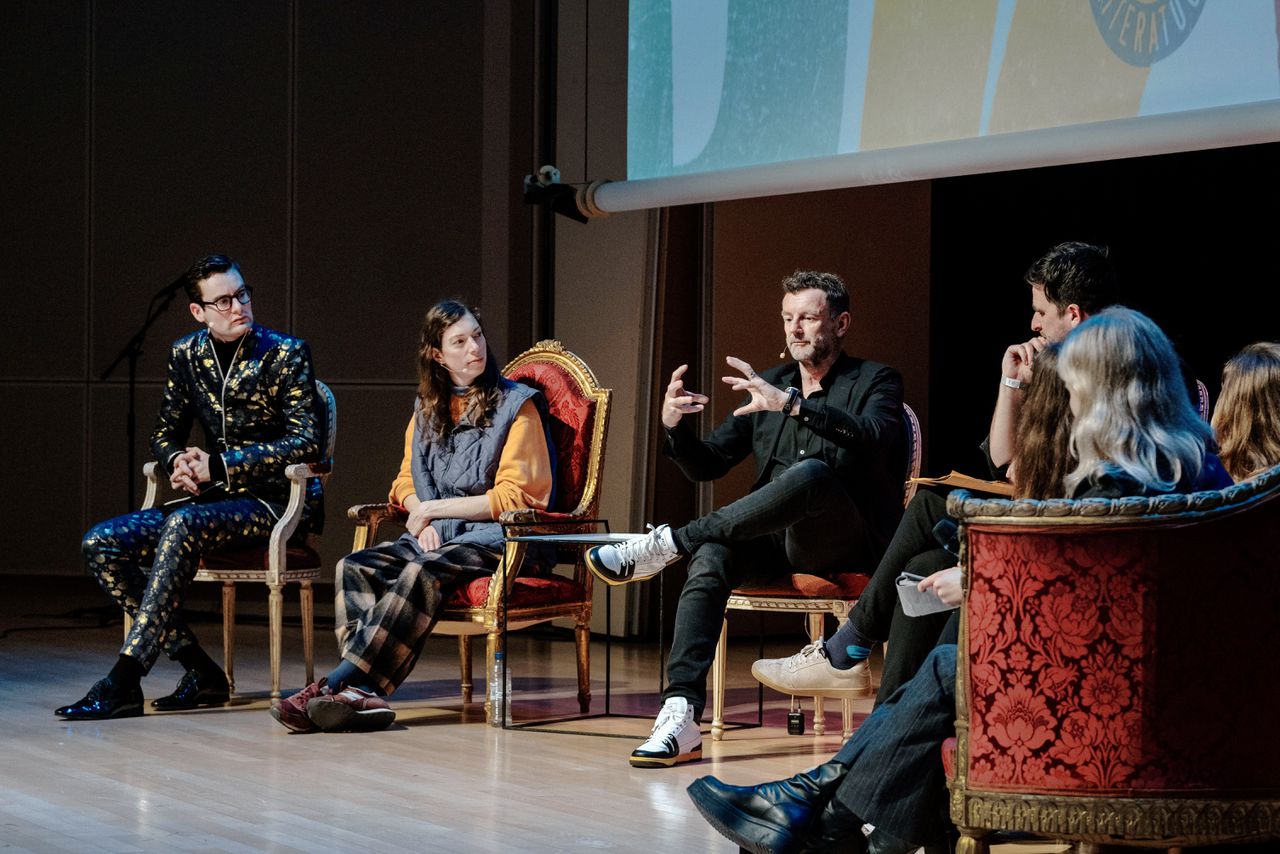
{"points": [[105, 700], [771, 818], [195, 688]]}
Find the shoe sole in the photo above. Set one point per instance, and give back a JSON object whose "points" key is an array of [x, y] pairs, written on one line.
{"points": [[220, 699], [275, 713], [694, 755], [835, 693], [710, 807], [133, 710], [604, 574], [611, 578], [332, 716]]}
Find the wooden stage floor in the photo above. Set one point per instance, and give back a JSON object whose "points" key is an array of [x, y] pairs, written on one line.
{"points": [[440, 779]]}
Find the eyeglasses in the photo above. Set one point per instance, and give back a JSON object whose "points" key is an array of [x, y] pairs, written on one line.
{"points": [[223, 303]]}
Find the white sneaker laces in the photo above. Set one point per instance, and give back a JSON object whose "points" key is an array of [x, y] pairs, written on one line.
{"points": [[643, 549]]}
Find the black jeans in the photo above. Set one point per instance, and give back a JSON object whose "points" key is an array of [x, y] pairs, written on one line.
{"points": [[803, 519], [878, 614]]}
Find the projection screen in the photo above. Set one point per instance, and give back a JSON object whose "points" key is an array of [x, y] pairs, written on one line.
{"points": [[736, 98]]}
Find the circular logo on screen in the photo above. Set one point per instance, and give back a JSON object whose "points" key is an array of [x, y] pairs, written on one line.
{"points": [[1145, 31]]}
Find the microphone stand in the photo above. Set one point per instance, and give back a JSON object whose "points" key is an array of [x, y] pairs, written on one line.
{"points": [[132, 351]]}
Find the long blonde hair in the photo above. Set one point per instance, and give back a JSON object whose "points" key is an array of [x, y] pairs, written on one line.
{"points": [[1132, 412], [1246, 419]]}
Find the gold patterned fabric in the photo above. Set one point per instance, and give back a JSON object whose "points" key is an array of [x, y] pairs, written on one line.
{"points": [[261, 419], [115, 550]]}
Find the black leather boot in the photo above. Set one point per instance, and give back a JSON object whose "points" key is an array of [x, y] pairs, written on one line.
{"points": [[771, 817]]}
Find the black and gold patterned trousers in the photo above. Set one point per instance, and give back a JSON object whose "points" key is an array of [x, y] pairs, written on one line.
{"points": [[386, 601], [115, 550]]}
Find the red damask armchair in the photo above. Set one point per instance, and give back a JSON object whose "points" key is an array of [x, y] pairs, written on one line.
{"points": [[1118, 677]]}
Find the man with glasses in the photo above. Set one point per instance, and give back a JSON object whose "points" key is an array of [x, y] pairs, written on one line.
{"points": [[253, 391]]}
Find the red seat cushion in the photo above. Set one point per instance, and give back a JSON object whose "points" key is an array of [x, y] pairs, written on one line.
{"points": [[526, 592], [801, 585], [297, 556]]}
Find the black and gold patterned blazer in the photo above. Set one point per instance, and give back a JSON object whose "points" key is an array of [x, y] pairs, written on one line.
{"points": [[262, 419]]}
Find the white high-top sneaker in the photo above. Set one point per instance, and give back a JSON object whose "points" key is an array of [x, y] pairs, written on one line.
{"points": [[634, 560], [809, 674], [675, 738]]}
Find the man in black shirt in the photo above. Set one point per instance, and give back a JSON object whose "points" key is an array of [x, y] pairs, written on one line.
{"points": [[826, 430]]}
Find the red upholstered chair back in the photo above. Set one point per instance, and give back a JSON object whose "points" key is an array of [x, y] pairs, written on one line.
{"points": [[577, 406], [1120, 649]]}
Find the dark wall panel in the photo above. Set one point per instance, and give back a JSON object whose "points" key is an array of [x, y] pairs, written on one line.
{"points": [[42, 111], [371, 424], [190, 155], [42, 457], [109, 451], [388, 171]]}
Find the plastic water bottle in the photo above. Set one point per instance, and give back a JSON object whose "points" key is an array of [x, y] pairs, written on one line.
{"points": [[499, 688]]}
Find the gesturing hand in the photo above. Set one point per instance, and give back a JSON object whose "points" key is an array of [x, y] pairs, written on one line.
{"points": [[765, 397], [678, 402]]}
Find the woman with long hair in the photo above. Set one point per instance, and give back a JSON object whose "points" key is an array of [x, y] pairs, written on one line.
{"points": [[475, 446], [1246, 419], [1134, 433]]}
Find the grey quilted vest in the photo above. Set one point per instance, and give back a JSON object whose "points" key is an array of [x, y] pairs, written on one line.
{"points": [[465, 462]]}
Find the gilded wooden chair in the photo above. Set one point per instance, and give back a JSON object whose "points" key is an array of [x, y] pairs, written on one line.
{"points": [[523, 595], [813, 596], [285, 558], [1202, 401], [1117, 678]]}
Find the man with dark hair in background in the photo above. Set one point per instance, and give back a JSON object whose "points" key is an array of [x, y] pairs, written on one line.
{"points": [[253, 391], [1068, 284], [827, 433]]}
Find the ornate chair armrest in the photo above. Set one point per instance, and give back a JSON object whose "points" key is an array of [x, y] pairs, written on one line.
{"points": [[529, 522], [302, 471], [149, 471], [526, 522], [369, 517]]}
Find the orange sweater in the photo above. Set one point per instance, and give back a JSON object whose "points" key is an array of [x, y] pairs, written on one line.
{"points": [[524, 473]]}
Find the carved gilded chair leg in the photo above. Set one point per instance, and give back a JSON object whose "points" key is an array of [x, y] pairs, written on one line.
{"points": [[846, 713], [464, 665], [717, 683], [582, 636], [229, 632], [815, 634], [275, 623], [492, 646], [306, 598], [972, 843]]}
